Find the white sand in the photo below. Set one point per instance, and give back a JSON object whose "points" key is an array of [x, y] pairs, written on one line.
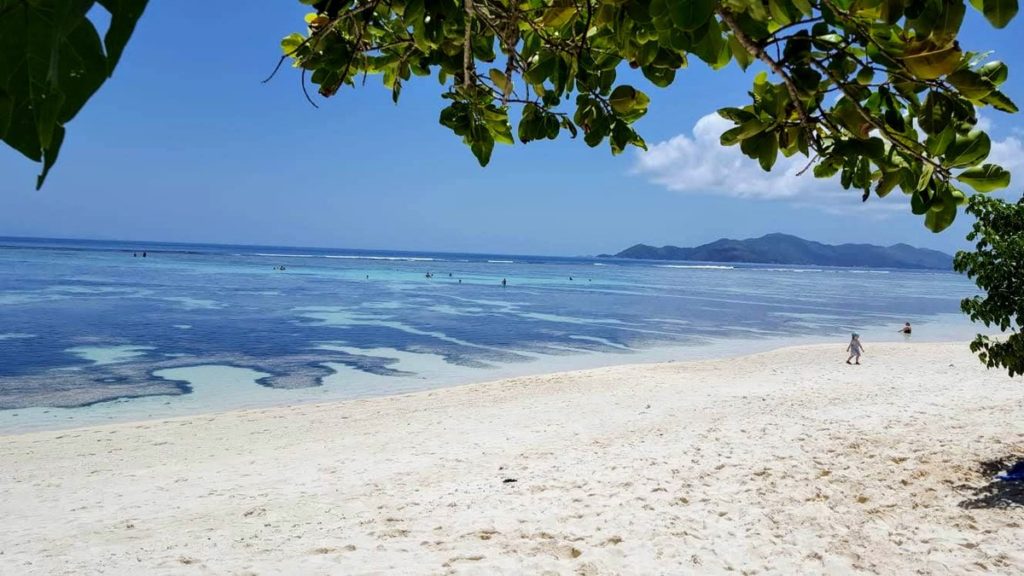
{"points": [[785, 462]]}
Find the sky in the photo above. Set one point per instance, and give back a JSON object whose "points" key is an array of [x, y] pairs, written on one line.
{"points": [[186, 144]]}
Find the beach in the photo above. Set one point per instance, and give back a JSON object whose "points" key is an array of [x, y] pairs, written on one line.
{"points": [[782, 462]]}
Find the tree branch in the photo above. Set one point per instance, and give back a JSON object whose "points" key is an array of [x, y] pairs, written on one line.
{"points": [[761, 55], [467, 47]]}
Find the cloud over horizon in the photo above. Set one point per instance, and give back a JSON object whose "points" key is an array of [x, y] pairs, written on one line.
{"points": [[699, 164]]}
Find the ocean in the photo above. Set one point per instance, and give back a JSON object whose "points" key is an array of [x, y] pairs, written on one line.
{"points": [[102, 331]]}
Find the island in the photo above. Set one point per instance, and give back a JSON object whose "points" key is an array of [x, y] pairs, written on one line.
{"points": [[787, 249]]}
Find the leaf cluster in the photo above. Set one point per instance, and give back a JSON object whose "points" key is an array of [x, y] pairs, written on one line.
{"points": [[997, 266], [877, 92], [52, 60]]}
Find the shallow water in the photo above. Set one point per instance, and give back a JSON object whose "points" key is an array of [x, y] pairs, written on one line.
{"points": [[93, 332]]}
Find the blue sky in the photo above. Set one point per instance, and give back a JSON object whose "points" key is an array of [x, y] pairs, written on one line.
{"points": [[186, 144]]}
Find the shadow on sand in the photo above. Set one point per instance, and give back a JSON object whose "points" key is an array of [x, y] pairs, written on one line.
{"points": [[996, 493]]}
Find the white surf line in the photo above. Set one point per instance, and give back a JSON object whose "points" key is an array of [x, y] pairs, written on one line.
{"points": [[407, 361], [604, 341], [353, 320]]}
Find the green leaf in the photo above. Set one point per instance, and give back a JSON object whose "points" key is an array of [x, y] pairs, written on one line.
{"points": [[124, 14], [50, 155], [737, 115], [500, 80], [291, 43], [623, 99], [768, 151], [937, 144], [995, 72], [985, 178], [967, 150], [895, 120], [660, 77], [414, 13], [999, 12], [845, 111], [482, 148], [557, 16], [920, 202], [971, 84], [52, 61], [947, 24], [1000, 101], [888, 181], [527, 123], [6, 112], [745, 130], [939, 220], [929, 62], [825, 169], [743, 58], [936, 113], [924, 181], [690, 14]]}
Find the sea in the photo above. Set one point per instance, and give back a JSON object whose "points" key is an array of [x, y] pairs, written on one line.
{"points": [[95, 332]]}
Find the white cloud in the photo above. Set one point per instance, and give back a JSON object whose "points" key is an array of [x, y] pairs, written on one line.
{"points": [[699, 164], [1008, 153]]}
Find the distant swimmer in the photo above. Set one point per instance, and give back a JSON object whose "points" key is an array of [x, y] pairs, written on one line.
{"points": [[449, 274], [504, 282], [143, 254], [367, 276], [906, 329], [570, 278], [460, 280], [135, 254]]}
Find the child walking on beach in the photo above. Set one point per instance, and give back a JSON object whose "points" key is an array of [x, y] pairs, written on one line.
{"points": [[855, 348]]}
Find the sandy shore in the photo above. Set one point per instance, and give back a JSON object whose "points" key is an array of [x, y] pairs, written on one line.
{"points": [[784, 462]]}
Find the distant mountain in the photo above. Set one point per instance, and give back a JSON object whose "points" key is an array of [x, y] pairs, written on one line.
{"points": [[786, 249]]}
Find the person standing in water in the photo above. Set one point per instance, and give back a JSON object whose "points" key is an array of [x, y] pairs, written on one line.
{"points": [[855, 348], [906, 329], [503, 282]]}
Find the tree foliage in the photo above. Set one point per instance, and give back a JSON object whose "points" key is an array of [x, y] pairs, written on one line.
{"points": [[997, 266], [52, 61], [878, 92]]}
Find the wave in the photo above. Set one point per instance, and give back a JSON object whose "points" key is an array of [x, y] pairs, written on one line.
{"points": [[273, 255], [401, 258], [501, 261], [342, 256], [696, 266], [757, 269], [790, 270]]}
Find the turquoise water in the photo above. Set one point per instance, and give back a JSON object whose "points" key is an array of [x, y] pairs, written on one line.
{"points": [[95, 332]]}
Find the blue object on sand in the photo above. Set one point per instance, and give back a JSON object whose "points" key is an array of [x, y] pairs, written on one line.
{"points": [[1014, 474]]}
